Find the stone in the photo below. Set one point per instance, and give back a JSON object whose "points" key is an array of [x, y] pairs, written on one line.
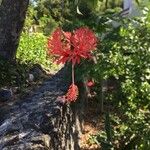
{"points": [[38, 122], [6, 95], [36, 71], [15, 90], [43, 139], [31, 77]]}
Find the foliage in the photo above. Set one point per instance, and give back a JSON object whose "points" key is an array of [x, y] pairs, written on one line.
{"points": [[12, 74], [30, 20], [127, 133], [100, 5], [124, 55], [32, 50], [51, 14]]}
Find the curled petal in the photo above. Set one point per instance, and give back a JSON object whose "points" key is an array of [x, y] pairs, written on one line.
{"points": [[59, 45], [54, 43], [67, 46], [83, 41]]}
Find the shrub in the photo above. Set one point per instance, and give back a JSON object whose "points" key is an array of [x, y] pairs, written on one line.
{"points": [[12, 73], [124, 54], [32, 50]]}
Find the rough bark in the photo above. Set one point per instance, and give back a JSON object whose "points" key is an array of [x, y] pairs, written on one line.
{"points": [[12, 16]]}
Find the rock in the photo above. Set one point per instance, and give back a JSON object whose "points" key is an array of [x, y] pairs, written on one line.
{"points": [[31, 77], [36, 71], [6, 95], [43, 139], [38, 122], [15, 90]]}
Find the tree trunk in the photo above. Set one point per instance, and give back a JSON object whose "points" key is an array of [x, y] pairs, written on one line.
{"points": [[12, 16]]}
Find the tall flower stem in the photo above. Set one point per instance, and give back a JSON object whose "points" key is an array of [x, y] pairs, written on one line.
{"points": [[72, 73]]}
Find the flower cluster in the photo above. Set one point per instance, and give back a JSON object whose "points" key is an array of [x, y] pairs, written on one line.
{"points": [[67, 46], [71, 47], [72, 93]]}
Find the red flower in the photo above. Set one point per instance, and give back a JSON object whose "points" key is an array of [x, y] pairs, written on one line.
{"points": [[59, 46], [67, 46], [70, 96], [83, 41], [72, 47], [72, 93], [90, 83]]}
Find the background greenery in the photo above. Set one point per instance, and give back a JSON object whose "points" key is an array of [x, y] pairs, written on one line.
{"points": [[123, 56]]}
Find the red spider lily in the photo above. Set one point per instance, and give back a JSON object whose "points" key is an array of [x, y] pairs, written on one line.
{"points": [[67, 46], [72, 47], [72, 93], [59, 46], [83, 41], [70, 96]]}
